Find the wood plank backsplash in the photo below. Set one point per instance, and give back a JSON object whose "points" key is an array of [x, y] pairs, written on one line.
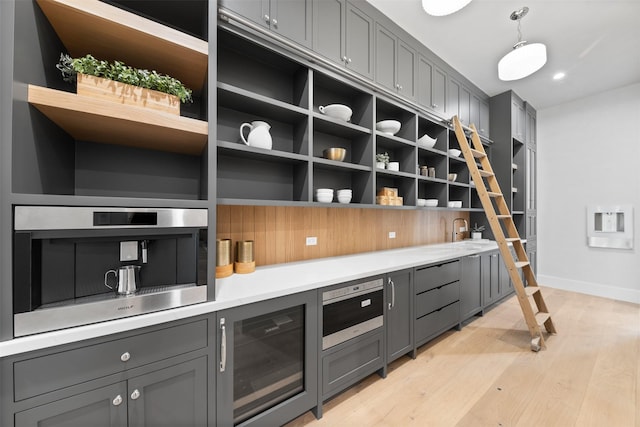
{"points": [[279, 232]]}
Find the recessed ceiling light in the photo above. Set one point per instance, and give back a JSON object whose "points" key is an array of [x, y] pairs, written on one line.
{"points": [[559, 76]]}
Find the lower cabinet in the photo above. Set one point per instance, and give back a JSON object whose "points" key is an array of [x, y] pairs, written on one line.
{"points": [[471, 298], [437, 300], [172, 396], [399, 320], [496, 283], [267, 361]]}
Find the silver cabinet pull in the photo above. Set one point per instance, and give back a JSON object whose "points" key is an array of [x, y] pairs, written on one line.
{"points": [[135, 394], [223, 346], [125, 356], [274, 22], [348, 60], [434, 105], [266, 18], [117, 400], [393, 294], [344, 59]]}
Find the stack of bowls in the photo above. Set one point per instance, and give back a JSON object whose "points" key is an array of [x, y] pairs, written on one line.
{"points": [[344, 196], [324, 195]]}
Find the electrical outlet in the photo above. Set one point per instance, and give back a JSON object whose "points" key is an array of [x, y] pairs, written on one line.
{"points": [[312, 241], [392, 234]]}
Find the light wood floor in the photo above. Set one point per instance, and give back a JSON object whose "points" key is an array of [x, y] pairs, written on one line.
{"points": [[486, 375]]}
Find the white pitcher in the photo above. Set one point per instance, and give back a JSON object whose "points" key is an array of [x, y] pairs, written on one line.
{"points": [[259, 135]]}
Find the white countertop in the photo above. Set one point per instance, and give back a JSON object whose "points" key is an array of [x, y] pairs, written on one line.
{"points": [[265, 283]]}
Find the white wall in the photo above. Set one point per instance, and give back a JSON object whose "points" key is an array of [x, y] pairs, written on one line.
{"points": [[588, 153]]}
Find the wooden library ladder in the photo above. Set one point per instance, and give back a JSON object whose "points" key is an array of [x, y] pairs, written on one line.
{"points": [[505, 232]]}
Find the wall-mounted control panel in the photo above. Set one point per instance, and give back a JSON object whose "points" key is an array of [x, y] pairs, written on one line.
{"points": [[610, 226]]}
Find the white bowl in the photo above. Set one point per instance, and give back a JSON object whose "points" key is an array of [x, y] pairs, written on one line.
{"points": [[345, 191], [324, 190], [421, 202], [454, 204], [393, 166], [454, 152], [344, 198], [432, 203], [337, 111], [390, 127], [324, 198], [427, 141]]}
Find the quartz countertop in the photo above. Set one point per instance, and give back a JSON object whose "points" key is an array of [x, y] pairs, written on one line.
{"points": [[265, 283]]}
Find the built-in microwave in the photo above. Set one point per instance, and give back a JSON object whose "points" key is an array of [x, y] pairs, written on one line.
{"points": [[79, 265]]}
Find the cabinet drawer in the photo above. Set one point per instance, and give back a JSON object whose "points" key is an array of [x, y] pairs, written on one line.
{"points": [[437, 298], [55, 371], [429, 326], [350, 364], [437, 275]]}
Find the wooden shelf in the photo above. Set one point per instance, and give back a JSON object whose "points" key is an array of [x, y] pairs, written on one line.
{"points": [[110, 33], [89, 119]]}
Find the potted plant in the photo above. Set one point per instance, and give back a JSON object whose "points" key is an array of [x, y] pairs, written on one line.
{"points": [[382, 160], [121, 83], [476, 232]]}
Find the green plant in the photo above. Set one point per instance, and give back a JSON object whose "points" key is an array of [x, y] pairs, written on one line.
{"points": [[119, 72], [382, 158], [477, 229]]}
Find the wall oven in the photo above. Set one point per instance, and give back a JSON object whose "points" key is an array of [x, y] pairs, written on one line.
{"points": [[350, 311], [79, 265]]}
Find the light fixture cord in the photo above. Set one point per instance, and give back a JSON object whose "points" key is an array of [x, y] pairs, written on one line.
{"points": [[519, 31]]}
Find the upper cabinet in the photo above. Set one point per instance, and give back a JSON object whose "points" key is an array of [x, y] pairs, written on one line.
{"points": [[343, 34], [432, 85], [395, 63], [484, 121], [288, 18], [518, 119]]}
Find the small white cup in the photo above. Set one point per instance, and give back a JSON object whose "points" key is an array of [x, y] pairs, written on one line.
{"points": [[393, 166]]}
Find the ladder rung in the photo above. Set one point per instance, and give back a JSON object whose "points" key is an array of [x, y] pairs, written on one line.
{"points": [[530, 290], [520, 264], [477, 154], [492, 194], [542, 317], [484, 173], [512, 239], [503, 216]]}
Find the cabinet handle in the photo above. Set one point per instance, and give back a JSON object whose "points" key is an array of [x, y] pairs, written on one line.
{"points": [[348, 60], [344, 59], [135, 395], [434, 105], [275, 22], [393, 294], [223, 346], [266, 18], [117, 400], [125, 356]]}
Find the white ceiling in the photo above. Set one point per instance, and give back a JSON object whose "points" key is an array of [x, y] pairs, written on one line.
{"points": [[595, 42]]}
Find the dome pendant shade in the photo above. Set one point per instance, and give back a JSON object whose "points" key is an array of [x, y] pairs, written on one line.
{"points": [[443, 7], [522, 61]]}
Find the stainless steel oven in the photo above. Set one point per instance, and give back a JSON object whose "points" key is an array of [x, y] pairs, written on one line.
{"points": [[351, 310], [80, 265]]}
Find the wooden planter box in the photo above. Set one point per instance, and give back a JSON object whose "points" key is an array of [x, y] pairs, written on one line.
{"points": [[121, 93]]}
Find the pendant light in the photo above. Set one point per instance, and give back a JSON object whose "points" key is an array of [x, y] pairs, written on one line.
{"points": [[525, 59], [443, 7]]}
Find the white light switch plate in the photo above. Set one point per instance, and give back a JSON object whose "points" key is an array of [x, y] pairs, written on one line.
{"points": [[312, 241], [392, 234]]}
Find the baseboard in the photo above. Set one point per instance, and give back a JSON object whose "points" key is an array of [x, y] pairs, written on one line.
{"points": [[596, 289]]}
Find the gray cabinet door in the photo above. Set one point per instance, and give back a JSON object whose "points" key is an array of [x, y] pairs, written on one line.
{"points": [[474, 110], [406, 70], [465, 106], [103, 407], [424, 93], [470, 287], [385, 58], [491, 277], [359, 42], [329, 29], [484, 119], [255, 10], [438, 90], [174, 396], [292, 19], [453, 106], [399, 314], [517, 121]]}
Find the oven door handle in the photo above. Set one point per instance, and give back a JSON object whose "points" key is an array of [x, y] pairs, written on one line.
{"points": [[393, 293]]}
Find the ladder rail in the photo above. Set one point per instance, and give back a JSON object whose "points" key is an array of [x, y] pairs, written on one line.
{"points": [[505, 232]]}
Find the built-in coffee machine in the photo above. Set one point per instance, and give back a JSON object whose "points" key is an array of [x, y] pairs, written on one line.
{"points": [[79, 265]]}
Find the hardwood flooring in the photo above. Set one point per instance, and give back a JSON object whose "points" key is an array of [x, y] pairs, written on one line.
{"points": [[486, 375]]}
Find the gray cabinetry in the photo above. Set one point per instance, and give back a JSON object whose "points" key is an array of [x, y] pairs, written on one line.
{"points": [[395, 63], [471, 297], [267, 361], [432, 85], [343, 34], [137, 379], [495, 278], [437, 300], [483, 126], [291, 19], [399, 314]]}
